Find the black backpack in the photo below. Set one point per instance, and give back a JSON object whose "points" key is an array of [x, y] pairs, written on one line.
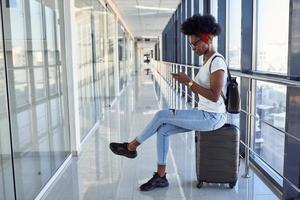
{"points": [[232, 98]]}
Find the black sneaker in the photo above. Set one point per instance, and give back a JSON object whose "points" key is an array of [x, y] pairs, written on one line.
{"points": [[154, 182], [121, 149]]}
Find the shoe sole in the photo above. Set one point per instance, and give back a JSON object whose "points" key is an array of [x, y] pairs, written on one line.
{"points": [[121, 154], [157, 186]]}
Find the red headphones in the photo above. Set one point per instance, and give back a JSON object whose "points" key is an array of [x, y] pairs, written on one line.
{"points": [[205, 37]]}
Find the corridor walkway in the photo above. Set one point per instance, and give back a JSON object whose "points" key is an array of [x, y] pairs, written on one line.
{"points": [[97, 174]]}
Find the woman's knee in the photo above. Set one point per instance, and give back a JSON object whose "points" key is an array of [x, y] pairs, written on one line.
{"points": [[162, 113]]}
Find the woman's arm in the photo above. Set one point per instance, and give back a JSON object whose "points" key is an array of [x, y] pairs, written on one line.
{"points": [[216, 85]]}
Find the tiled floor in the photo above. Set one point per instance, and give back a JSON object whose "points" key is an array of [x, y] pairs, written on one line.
{"points": [[98, 174]]}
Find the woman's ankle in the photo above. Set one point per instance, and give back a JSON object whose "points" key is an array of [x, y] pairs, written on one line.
{"points": [[130, 148], [161, 170], [161, 174], [133, 145]]}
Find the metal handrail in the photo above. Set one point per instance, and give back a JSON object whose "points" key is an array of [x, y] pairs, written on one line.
{"points": [[263, 77], [265, 122], [253, 75]]}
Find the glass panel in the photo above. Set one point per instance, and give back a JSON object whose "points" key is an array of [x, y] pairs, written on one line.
{"points": [[39, 83], [99, 23], [272, 49], [234, 46], [128, 54], [50, 35], [21, 87], [270, 107], [59, 139], [85, 66], [214, 12], [42, 119], [59, 146], [131, 66], [23, 129], [36, 32], [122, 56], [36, 157], [17, 37], [6, 180], [111, 34], [55, 113], [52, 18], [53, 81]]}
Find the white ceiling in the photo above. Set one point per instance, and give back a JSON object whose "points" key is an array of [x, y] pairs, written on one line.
{"points": [[145, 22]]}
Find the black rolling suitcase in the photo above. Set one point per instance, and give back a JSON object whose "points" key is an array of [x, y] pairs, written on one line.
{"points": [[217, 155]]}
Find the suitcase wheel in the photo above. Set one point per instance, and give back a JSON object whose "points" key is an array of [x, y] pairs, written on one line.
{"points": [[232, 184], [200, 184]]}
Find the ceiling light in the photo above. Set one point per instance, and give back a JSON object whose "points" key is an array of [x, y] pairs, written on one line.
{"points": [[155, 8], [149, 36]]}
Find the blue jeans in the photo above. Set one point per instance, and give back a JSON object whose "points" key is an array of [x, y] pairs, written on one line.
{"points": [[170, 122]]}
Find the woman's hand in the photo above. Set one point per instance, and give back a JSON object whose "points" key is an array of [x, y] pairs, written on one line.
{"points": [[181, 78]]}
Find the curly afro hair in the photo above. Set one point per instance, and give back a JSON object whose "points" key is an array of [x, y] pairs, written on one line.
{"points": [[198, 24]]}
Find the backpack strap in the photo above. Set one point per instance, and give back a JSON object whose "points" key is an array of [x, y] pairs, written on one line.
{"points": [[228, 73]]}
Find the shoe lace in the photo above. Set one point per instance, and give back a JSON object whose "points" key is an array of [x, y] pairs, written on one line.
{"points": [[155, 174]]}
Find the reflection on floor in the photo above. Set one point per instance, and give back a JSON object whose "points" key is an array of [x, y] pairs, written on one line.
{"points": [[98, 174]]}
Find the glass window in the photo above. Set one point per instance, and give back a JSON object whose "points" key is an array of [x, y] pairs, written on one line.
{"points": [[189, 58], [35, 154], [55, 113], [23, 128], [111, 34], [53, 80], [214, 12], [121, 53], [50, 35], [39, 83], [36, 32], [272, 36], [234, 45], [3, 97], [86, 74], [99, 16], [6, 180], [17, 36], [270, 107], [21, 87], [198, 8], [183, 44], [42, 119]]}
